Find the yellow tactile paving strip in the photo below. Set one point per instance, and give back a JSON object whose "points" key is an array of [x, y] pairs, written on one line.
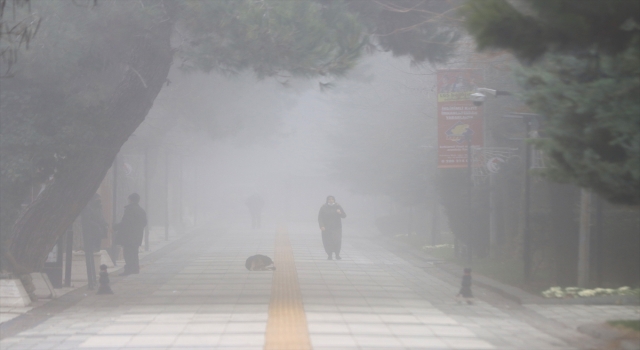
{"points": [[287, 323]]}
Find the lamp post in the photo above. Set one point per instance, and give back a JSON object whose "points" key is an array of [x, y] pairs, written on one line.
{"points": [[529, 119], [469, 210]]}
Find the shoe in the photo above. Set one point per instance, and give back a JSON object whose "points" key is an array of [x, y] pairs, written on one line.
{"points": [[329, 257], [338, 257]]}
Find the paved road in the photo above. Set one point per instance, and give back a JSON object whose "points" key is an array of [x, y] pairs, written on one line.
{"points": [[199, 295]]}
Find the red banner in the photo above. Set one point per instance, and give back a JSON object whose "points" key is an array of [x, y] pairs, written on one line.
{"points": [[458, 118]]}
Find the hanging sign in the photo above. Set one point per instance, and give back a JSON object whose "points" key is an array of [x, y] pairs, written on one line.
{"points": [[458, 118]]}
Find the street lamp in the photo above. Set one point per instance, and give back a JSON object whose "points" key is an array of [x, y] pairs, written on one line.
{"points": [[529, 119]]}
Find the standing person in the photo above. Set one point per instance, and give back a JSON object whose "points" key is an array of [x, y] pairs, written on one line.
{"points": [[94, 229], [130, 234], [330, 221], [255, 204], [465, 287]]}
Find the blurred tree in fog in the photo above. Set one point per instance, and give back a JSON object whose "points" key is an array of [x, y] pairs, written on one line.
{"points": [[92, 73], [426, 31], [583, 75]]}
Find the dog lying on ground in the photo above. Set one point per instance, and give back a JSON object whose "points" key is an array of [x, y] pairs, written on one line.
{"points": [[259, 263]]}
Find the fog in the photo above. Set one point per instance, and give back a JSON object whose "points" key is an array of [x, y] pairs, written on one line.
{"points": [[319, 173], [278, 139]]}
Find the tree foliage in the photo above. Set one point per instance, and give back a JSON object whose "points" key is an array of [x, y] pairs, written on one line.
{"points": [[426, 31], [92, 73], [584, 78]]}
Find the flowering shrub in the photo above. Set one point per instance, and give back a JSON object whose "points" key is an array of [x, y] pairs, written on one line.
{"points": [[575, 292]]}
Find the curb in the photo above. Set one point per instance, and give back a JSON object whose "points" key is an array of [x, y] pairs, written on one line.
{"points": [[51, 307], [512, 293], [625, 340]]}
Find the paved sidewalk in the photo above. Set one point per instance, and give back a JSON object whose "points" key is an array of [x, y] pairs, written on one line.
{"points": [[157, 241], [199, 295]]}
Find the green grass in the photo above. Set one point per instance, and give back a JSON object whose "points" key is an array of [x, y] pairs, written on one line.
{"points": [[630, 324]]}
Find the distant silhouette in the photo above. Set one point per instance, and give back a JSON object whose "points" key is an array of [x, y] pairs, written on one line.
{"points": [[465, 287], [330, 221], [255, 204], [259, 263], [130, 234]]}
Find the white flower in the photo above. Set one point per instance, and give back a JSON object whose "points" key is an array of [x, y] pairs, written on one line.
{"points": [[586, 293]]}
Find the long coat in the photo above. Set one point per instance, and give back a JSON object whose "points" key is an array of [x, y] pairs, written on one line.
{"points": [[131, 228], [329, 218]]}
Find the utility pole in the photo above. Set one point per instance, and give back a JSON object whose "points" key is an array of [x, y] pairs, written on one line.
{"points": [[493, 224], [114, 250], [146, 197], [180, 198], [599, 240], [435, 221], [585, 238], [469, 211], [166, 191], [527, 193]]}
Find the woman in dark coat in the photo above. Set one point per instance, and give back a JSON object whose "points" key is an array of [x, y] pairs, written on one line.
{"points": [[330, 221]]}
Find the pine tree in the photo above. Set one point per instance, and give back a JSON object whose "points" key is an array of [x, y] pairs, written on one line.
{"points": [[583, 74]]}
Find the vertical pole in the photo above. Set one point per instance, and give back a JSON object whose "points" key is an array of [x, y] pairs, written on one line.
{"points": [[196, 191], [181, 196], [114, 196], [526, 232], [469, 211], [146, 197], [599, 241], [166, 189], [493, 225], [68, 258], [585, 237], [435, 224], [114, 250]]}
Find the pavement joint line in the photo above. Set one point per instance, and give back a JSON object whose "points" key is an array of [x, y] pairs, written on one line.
{"points": [[48, 310], [287, 322]]}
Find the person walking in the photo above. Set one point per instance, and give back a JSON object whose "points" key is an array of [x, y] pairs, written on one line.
{"points": [[130, 234], [94, 229], [255, 204], [330, 221]]}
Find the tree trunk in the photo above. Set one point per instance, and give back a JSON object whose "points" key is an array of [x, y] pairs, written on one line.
{"points": [[51, 214]]}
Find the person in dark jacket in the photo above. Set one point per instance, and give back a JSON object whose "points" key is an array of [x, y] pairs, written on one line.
{"points": [[130, 234], [330, 221], [94, 229]]}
